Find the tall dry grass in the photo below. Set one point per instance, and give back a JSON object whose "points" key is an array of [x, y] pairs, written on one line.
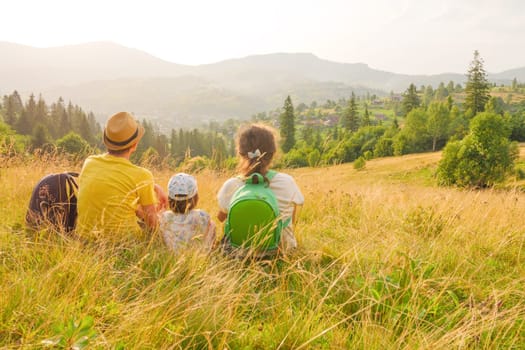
{"points": [[386, 260]]}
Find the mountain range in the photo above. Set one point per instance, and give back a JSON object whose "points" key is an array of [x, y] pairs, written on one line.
{"points": [[105, 77]]}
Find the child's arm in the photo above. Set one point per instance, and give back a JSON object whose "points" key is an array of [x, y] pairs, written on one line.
{"points": [[221, 216], [296, 209], [209, 240]]}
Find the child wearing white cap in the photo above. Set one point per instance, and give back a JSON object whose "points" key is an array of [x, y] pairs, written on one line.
{"points": [[183, 224]]}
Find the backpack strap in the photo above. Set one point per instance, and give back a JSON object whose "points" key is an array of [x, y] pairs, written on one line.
{"points": [[270, 174]]}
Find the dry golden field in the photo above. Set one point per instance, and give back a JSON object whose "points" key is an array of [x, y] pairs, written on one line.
{"points": [[387, 260]]}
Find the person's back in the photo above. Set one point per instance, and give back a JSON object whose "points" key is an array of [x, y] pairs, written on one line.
{"points": [[183, 225], [180, 230], [109, 190], [112, 190], [256, 147], [286, 192]]}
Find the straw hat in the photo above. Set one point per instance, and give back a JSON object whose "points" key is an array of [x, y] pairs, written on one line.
{"points": [[122, 131]]}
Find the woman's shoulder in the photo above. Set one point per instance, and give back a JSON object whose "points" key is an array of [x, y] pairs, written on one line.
{"points": [[279, 176], [232, 182]]}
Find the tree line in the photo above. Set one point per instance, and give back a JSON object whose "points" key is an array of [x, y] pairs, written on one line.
{"points": [[422, 119], [430, 120], [68, 129]]}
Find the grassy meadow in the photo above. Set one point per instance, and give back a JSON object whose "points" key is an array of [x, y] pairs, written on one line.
{"points": [[387, 260]]}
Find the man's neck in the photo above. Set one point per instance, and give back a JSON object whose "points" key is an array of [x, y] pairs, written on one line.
{"points": [[124, 155]]}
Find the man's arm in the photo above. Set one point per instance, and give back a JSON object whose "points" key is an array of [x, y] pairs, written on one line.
{"points": [[150, 217], [162, 197]]}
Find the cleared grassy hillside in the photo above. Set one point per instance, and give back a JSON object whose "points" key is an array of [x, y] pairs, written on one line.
{"points": [[386, 260]]}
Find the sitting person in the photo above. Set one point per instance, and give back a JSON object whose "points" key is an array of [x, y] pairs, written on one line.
{"points": [[256, 147], [114, 193], [183, 225]]}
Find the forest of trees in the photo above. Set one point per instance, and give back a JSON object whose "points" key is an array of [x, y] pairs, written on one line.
{"points": [[360, 127], [35, 125]]}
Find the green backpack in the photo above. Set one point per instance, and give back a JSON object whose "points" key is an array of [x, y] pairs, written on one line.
{"points": [[253, 220]]}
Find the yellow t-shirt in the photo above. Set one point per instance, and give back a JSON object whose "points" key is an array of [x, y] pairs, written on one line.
{"points": [[110, 190]]}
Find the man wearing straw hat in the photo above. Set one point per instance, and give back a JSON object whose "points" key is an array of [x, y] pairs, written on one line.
{"points": [[113, 192]]}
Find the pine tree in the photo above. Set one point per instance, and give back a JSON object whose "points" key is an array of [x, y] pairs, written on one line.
{"points": [[287, 126], [366, 117], [13, 108], [428, 94], [441, 92], [41, 113], [26, 121], [450, 87], [477, 88], [56, 115], [410, 99], [350, 119], [40, 136]]}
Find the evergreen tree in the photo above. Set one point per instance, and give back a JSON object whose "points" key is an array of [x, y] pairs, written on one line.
{"points": [[428, 95], [410, 99], [40, 136], [84, 128], [147, 140], [13, 108], [395, 123], [441, 92], [307, 134], [450, 102], [174, 143], [161, 144], [26, 121], [350, 119], [94, 126], [287, 125], [477, 88], [41, 113], [450, 87], [366, 117], [56, 115], [65, 124]]}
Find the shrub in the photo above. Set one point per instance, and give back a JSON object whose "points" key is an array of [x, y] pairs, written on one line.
{"points": [[384, 147], [484, 157], [194, 164], [295, 159], [73, 144], [313, 158], [359, 163]]}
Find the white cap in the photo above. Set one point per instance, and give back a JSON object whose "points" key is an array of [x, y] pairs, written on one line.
{"points": [[182, 186]]}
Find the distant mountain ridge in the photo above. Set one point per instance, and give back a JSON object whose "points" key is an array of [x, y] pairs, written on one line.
{"points": [[105, 77]]}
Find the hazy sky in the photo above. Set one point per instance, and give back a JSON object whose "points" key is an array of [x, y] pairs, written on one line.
{"points": [[402, 36]]}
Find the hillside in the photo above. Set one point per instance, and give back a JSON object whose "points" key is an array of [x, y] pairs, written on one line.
{"points": [[386, 260], [27, 68], [105, 77]]}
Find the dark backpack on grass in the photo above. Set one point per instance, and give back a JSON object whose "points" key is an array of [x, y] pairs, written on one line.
{"points": [[53, 203]]}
